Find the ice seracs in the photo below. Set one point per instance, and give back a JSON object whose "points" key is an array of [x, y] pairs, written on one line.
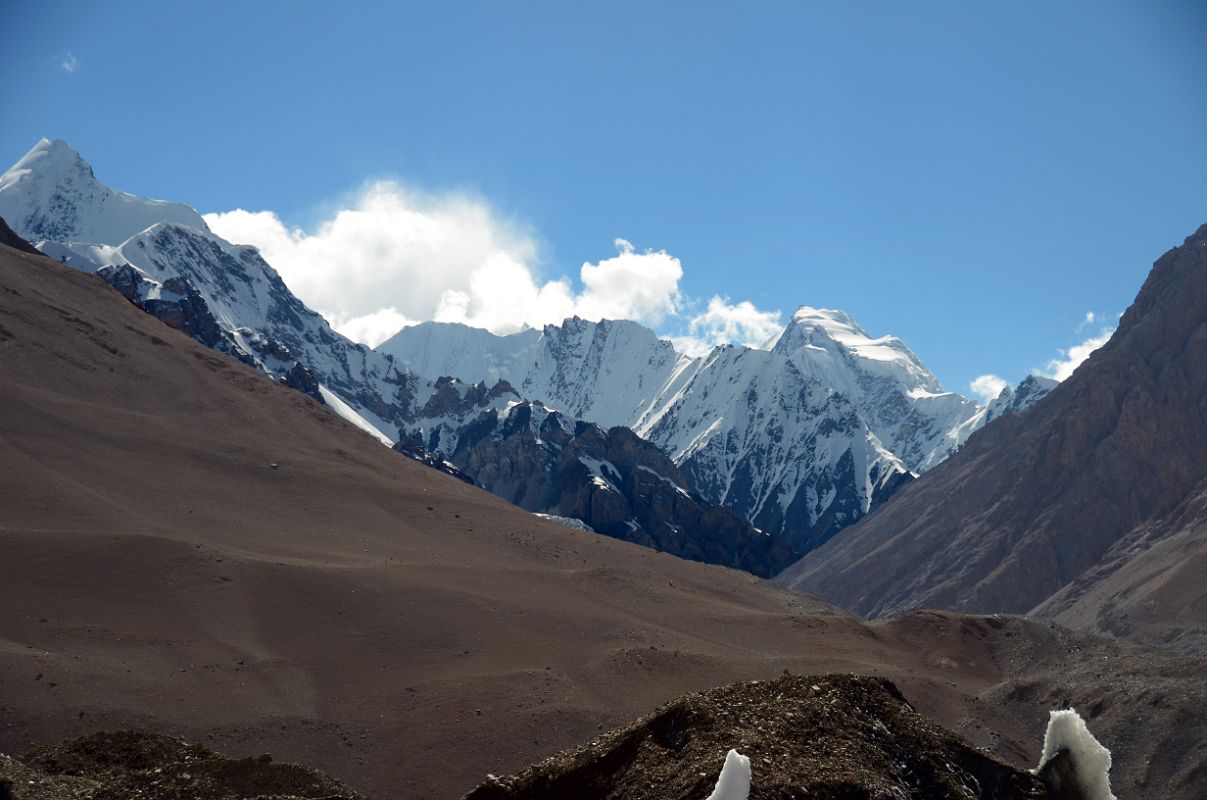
{"points": [[734, 781], [803, 436], [1074, 764], [748, 428]]}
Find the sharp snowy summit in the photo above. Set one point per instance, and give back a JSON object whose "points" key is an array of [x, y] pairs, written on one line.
{"points": [[802, 438], [52, 198], [898, 397], [52, 195]]}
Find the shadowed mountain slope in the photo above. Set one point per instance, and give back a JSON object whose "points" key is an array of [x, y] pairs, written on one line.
{"points": [[1089, 505]]}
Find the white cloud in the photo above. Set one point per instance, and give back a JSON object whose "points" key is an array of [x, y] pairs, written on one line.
{"points": [[1062, 367], [391, 248], [726, 323], [503, 296], [67, 62], [987, 387], [374, 328], [396, 256], [631, 285]]}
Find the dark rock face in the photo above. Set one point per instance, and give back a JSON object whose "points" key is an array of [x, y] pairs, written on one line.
{"points": [[612, 480], [615, 482], [1029, 391], [128, 282], [187, 311], [131, 764], [831, 737], [413, 449], [177, 304], [301, 379], [1038, 505]]}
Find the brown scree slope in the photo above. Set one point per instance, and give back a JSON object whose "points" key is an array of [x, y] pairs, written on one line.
{"points": [[399, 630]]}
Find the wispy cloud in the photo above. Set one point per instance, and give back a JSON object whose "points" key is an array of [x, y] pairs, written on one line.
{"points": [[723, 322], [395, 256], [987, 387], [1070, 359], [67, 62]]}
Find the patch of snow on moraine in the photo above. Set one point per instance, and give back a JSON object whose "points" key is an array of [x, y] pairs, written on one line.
{"points": [[349, 414], [569, 522]]}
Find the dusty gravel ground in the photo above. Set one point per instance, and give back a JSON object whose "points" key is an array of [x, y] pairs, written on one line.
{"points": [[108, 766]]}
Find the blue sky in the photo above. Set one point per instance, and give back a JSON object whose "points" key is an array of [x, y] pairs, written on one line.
{"points": [[972, 177]]}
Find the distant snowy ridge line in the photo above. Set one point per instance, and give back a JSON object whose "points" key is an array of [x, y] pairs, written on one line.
{"points": [[801, 438]]}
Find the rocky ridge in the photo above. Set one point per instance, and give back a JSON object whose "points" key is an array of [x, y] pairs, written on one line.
{"points": [[802, 438], [125, 764], [1087, 509], [828, 737], [612, 480], [228, 298]]}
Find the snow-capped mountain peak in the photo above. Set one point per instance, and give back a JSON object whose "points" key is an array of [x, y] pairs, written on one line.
{"points": [[900, 399], [52, 194], [801, 438], [52, 198], [817, 337]]}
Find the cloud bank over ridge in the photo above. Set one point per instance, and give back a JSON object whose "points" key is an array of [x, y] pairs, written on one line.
{"points": [[395, 256]]}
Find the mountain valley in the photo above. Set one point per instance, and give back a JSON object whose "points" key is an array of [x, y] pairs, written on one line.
{"points": [[190, 493], [801, 438]]}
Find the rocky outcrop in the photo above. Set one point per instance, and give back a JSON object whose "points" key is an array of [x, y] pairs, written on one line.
{"points": [[146, 765], [1082, 508], [413, 449], [828, 737], [175, 302], [612, 480], [303, 380]]}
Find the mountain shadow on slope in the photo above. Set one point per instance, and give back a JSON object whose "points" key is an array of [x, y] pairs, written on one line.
{"points": [[612, 480]]}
